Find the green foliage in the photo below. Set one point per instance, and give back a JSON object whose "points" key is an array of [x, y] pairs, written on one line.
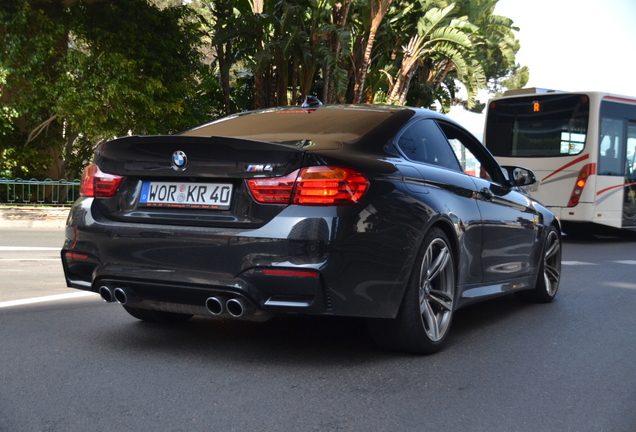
{"points": [[517, 78], [25, 162], [76, 73], [76, 76], [7, 112]]}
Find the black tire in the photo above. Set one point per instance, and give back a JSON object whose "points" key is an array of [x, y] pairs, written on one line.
{"points": [[423, 322], [157, 316], [549, 270]]}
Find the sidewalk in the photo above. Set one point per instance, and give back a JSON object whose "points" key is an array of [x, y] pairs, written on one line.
{"points": [[41, 217]]}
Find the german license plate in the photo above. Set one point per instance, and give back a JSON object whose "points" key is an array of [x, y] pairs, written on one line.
{"points": [[191, 195]]}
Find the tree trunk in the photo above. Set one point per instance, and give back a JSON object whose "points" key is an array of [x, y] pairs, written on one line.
{"points": [[259, 80], [379, 8], [340, 16], [407, 85], [258, 90], [224, 71], [403, 79], [306, 80], [327, 88], [68, 154], [282, 74], [412, 53], [361, 74], [294, 85]]}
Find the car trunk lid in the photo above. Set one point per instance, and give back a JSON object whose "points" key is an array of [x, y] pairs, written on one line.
{"points": [[206, 157], [192, 180]]}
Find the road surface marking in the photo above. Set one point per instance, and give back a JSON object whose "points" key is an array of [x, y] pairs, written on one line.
{"points": [[44, 299], [29, 259], [28, 248], [631, 262], [575, 263]]}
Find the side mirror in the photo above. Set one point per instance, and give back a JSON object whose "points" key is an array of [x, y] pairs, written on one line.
{"points": [[519, 176]]}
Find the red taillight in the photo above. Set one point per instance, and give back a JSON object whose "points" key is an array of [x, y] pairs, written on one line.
{"points": [[74, 256], [293, 273], [329, 185], [96, 183], [325, 185], [581, 181], [276, 190]]}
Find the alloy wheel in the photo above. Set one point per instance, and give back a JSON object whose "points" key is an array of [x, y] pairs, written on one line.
{"points": [[552, 263], [436, 289]]}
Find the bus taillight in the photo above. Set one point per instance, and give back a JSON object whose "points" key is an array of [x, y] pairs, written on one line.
{"points": [[581, 181]]}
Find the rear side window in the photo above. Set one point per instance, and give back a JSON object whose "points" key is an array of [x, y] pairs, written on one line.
{"points": [[424, 142], [471, 155]]}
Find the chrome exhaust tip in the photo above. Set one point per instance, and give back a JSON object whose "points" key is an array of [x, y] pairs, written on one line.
{"points": [[106, 294], [125, 296], [215, 305], [239, 307]]}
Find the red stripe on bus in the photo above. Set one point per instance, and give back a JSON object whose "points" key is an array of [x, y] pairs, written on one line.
{"points": [[575, 161], [620, 99], [614, 187]]}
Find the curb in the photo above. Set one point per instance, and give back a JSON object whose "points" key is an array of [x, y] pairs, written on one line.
{"points": [[33, 218]]}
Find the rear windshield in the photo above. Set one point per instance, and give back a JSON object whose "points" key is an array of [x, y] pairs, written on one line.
{"points": [[538, 126], [325, 127]]}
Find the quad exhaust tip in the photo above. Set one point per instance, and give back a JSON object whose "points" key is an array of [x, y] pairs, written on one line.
{"points": [[216, 305], [125, 296], [236, 307], [120, 295], [106, 294]]}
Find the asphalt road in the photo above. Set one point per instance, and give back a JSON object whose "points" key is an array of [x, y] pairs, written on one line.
{"points": [[79, 364]]}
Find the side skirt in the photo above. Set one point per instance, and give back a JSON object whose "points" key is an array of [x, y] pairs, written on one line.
{"points": [[469, 294]]}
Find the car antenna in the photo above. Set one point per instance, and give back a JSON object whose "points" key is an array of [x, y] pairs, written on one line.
{"points": [[311, 102]]}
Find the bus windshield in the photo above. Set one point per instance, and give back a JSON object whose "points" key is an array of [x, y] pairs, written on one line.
{"points": [[539, 126]]}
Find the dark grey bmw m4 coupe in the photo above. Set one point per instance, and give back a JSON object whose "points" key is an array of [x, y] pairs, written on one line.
{"points": [[394, 214]]}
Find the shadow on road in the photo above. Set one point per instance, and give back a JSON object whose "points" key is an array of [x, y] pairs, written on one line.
{"points": [[306, 340]]}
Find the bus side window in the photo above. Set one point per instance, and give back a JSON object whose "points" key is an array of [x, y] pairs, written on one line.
{"points": [[611, 148], [630, 162]]}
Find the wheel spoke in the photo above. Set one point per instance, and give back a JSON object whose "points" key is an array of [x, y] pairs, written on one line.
{"points": [[431, 321], [423, 301], [553, 249], [439, 264], [552, 273], [441, 298], [548, 284], [426, 264]]}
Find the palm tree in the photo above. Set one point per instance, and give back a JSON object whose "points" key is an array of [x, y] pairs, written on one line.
{"points": [[494, 41], [379, 9], [334, 75], [460, 41], [443, 40]]}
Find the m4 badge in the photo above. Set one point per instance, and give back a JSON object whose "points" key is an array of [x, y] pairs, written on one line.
{"points": [[259, 168]]}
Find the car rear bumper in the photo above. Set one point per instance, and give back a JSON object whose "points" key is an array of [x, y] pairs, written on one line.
{"points": [[317, 265]]}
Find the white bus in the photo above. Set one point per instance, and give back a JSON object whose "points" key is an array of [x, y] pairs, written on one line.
{"points": [[581, 146]]}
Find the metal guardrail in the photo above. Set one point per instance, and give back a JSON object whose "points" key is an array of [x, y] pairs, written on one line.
{"points": [[38, 192]]}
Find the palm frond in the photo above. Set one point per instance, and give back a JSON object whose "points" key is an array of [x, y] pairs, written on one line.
{"points": [[450, 35], [433, 18]]}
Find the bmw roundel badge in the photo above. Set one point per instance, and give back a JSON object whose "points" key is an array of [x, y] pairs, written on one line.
{"points": [[179, 160]]}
